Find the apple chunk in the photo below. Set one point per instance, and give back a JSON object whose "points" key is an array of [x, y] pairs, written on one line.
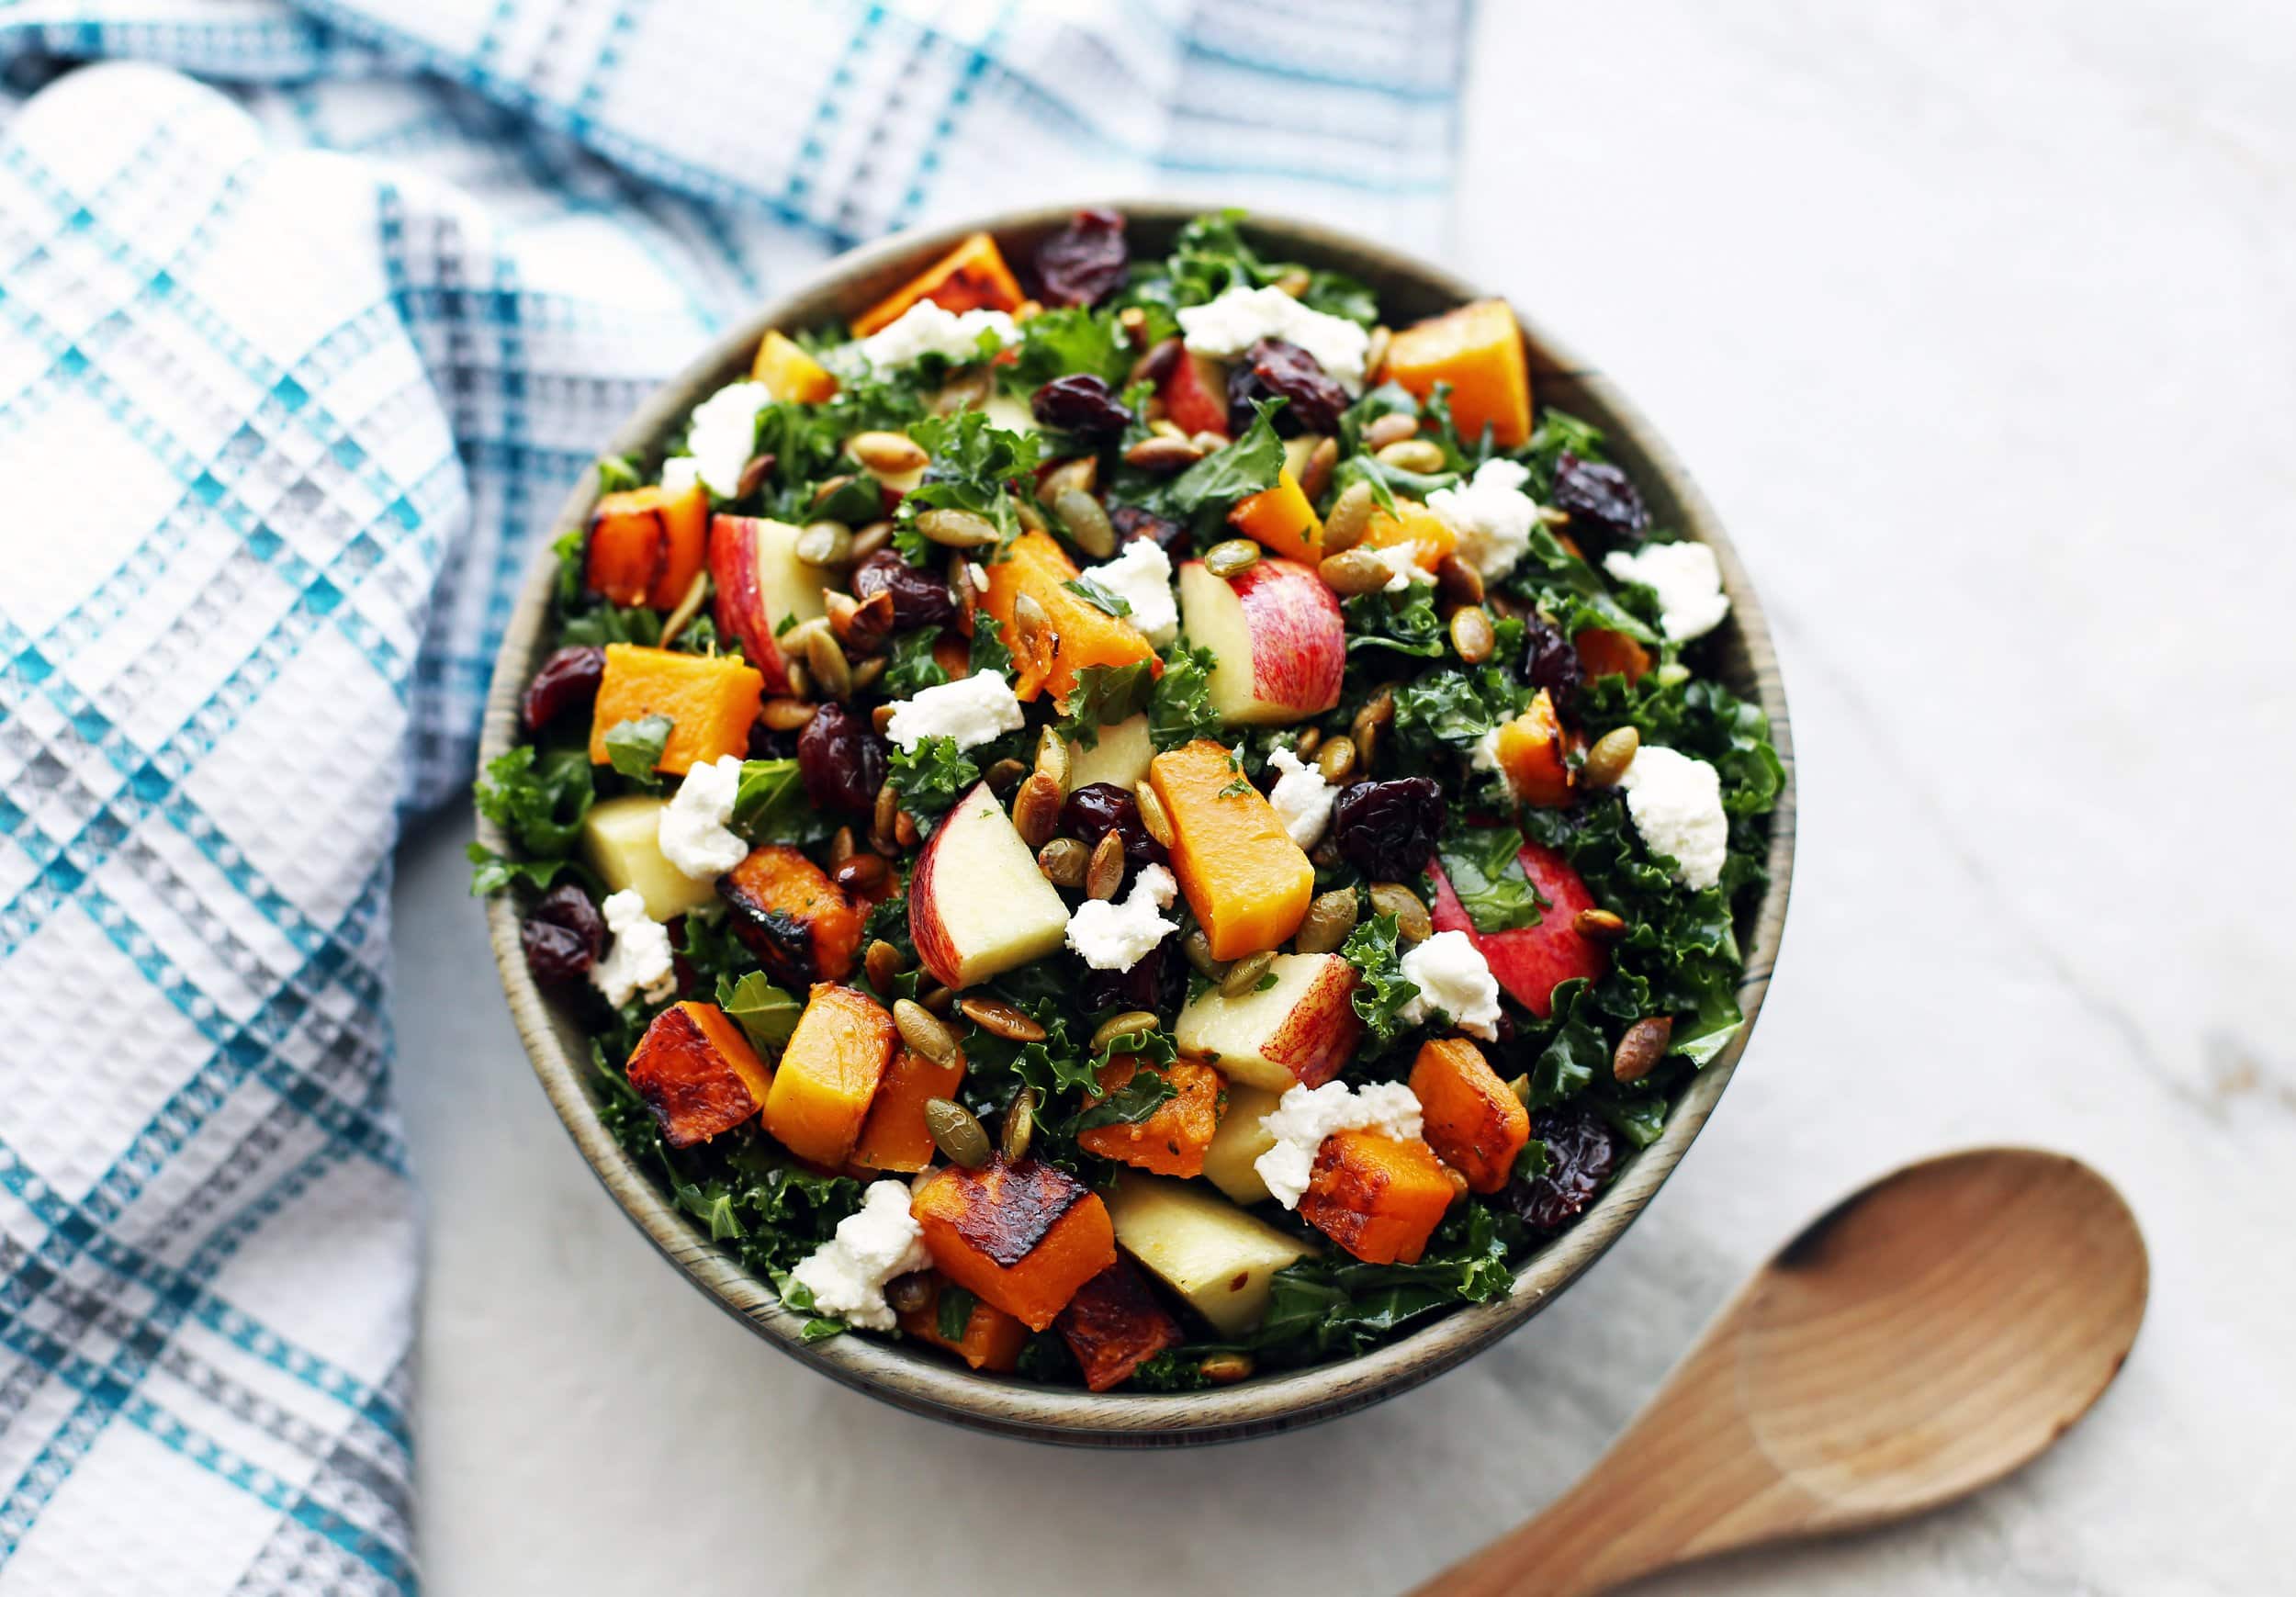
{"points": [[761, 583], [1531, 961], [622, 840], [1121, 756], [978, 903], [1210, 1252], [1237, 1145], [1301, 1029], [1278, 637]]}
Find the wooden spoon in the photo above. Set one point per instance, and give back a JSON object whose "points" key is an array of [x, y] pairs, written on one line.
{"points": [[1923, 1338]]}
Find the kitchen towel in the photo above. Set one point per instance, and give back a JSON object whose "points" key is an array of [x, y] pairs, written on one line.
{"points": [[309, 312]]}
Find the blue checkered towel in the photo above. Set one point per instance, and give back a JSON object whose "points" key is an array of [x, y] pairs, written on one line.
{"points": [[309, 311]]}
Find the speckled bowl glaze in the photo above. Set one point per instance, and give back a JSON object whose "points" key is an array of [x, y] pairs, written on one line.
{"points": [[921, 1382]]}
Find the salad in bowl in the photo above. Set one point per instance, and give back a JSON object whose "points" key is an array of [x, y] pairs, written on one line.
{"points": [[1125, 824]]}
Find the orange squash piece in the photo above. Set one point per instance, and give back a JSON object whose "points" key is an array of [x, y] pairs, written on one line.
{"points": [[1114, 1326], [893, 1137], [1380, 1198], [992, 1340], [710, 701], [1532, 751], [1172, 1140], [1411, 523], [1603, 653], [972, 277], [1086, 634], [1247, 883], [1024, 1236], [787, 912], [789, 372], [698, 1073], [646, 546], [829, 1072], [1478, 349], [1281, 519], [1473, 1122]]}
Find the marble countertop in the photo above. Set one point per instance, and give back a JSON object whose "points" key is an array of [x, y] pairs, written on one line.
{"points": [[1977, 328]]}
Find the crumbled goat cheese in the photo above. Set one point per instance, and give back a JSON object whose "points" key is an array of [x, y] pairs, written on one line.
{"points": [[847, 1274], [680, 473], [639, 960], [1402, 562], [1301, 797], [1676, 803], [973, 710], [692, 831], [1116, 937], [721, 435], [1141, 575], [1451, 976], [1241, 316], [1304, 1116], [925, 329], [1687, 580], [1490, 513], [1485, 756]]}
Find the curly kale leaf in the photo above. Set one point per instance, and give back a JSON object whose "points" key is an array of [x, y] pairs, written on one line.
{"points": [[1179, 705], [540, 799], [1337, 1306], [1383, 992]]}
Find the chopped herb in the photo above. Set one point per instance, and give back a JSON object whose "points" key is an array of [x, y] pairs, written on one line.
{"points": [[1093, 592]]}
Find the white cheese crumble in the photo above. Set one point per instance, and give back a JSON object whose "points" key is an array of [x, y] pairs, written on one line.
{"points": [[973, 710], [721, 435], [1141, 575], [1116, 937], [1485, 756], [1403, 563], [1676, 803], [1301, 797], [692, 831], [1241, 316], [925, 329], [1492, 515], [1304, 1116], [639, 960], [1451, 975], [1687, 580], [847, 1274], [680, 473]]}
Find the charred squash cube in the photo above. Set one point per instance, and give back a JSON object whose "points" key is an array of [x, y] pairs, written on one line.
{"points": [[895, 1137], [1380, 1198], [1114, 1324], [1024, 1236], [1172, 1140], [1475, 1124], [991, 1340], [829, 1072], [787, 912], [698, 1073]]}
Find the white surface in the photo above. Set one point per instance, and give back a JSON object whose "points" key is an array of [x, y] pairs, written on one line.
{"points": [[1977, 330]]}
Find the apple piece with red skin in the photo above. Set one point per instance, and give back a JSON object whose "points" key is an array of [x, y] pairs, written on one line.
{"points": [[1298, 1031], [1277, 635], [1530, 961], [979, 904], [1194, 394], [761, 583]]}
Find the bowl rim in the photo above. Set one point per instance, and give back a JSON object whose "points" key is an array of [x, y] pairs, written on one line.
{"points": [[1269, 1403]]}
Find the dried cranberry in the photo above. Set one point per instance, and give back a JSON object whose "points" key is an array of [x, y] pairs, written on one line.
{"points": [[1550, 662], [1085, 262], [1098, 807], [1132, 522], [562, 935], [920, 598], [1601, 499], [1582, 1151], [767, 744], [568, 678], [1081, 404], [1387, 829], [1141, 987], [841, 761], [1273, 369]]}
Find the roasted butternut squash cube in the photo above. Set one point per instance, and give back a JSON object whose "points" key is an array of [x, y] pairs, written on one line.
{"points": [[972, 277], [1172, 1140], [1114, 1326], [1281, 519], [789, 372], [1534, 753], [1472, 1122], [646, 544], [1246, 881], [786, 911], [1221, 1260], [1429, 534], [1083, 634], [1025, 1236], [829, 1072], [992, 1339], [698, 1073], [895, 1136], [1380, 1198], [1478, 350], [711, 700], [1604, 653]]}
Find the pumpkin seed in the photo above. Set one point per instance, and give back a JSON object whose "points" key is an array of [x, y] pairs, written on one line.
{"points": [[1131, 1023], [925, 1032], [1105, 874], [1350, 520], [994, 1015], [887, 805], [1643, 1046], [794, 674], [1600, 926], [955, 1131], [1224, 1370], [1196, 948], [1230, 557], [1458, 1181], [863, 874], [1612, 752], [882, 718], [1411, 923], [1419, 455], [1031, 519], [688, 608], [840, 846], [1296, 282], [1019, 1126], [1209, 443], [862, 624], [1375, 354], [1004, 776], [961, 584], [909, 1294], [1163, 454], [752, 476], [866, 672], [940, 1001], [1315, 473], [1391, 428], [966, 390], [1376, 711], [1052, 756], [1034, 628], [1330, 918], [1353, 571], [1086, 523], [827, 665], [1246, 973], [868, 540], [1335, 761], [887, 453], [1157, 361], [1308, 742], [883, 963], [1064, 860], [785, 714], [956, 529], [1036, 809], [832, 488], [1472, 634], [1164, 427], [1458, 582], [1152, 814], [1082, 474], [905, 830]]}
